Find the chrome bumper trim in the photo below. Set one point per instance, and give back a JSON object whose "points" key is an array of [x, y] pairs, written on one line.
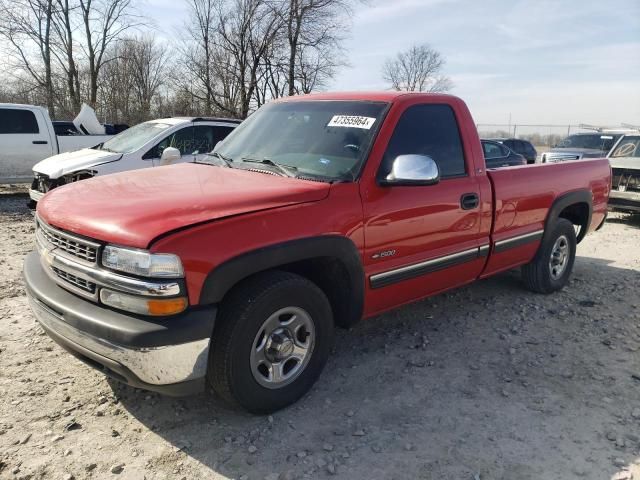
{"points": [[156, 366], [102, 278]]}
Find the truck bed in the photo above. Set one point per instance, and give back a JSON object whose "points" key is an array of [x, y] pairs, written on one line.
{"points": [[523, 197]]}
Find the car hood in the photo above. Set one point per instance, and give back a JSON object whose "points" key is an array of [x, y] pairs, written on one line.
{"points": [[64, 163], [134, 208], [628, 163], [583, 152]]}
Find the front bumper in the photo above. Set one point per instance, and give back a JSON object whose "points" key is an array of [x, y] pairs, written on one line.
{"points": [[168, 355], [626, 201], [35, 195]]}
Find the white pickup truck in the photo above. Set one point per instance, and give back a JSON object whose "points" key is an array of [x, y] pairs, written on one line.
{"points": [[27, 136], [154, 143]]}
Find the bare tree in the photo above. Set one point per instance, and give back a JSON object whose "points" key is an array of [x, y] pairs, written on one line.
{"points": [[64, 26], [26, 25], [246, 31], [104, 22], [418, 69], [313, 25]]}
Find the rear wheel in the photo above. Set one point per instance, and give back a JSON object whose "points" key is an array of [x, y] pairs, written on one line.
{"points": [[551, 268], [271, 342]]}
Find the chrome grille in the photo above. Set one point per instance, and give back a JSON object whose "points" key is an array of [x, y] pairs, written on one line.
{"points": [[76, 281], [73, 246]]}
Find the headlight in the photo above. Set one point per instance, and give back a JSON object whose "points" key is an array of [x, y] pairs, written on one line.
{"points": [[142, 263], [143, 305]]}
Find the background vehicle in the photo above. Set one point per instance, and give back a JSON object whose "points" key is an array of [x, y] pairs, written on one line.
{"points": [[583, 145], [497, 155], [27, 136], [523, 147], [625, 165], [317, 211], [67, 127], [149, 144]]}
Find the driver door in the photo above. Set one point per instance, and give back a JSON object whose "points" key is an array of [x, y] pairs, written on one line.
{"points": [[422, 239]]}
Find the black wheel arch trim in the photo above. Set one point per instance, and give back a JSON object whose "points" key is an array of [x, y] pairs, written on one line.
{"points": [[225, 276], [564, 201]]}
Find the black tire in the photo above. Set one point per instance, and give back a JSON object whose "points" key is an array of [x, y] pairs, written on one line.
{"points": [[538, 275], [242, 316]]}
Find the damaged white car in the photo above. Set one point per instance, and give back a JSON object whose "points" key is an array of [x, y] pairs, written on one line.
{"points": [[157, 142]]}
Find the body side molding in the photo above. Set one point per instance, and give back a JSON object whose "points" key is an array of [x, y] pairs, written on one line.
{"points": [[407, 272]]}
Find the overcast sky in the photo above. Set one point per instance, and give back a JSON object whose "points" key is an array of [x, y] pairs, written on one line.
{"points": [[538, 61]]}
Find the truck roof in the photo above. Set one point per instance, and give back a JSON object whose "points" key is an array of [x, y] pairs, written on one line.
{"points": [[21, 105], [372, 96]]}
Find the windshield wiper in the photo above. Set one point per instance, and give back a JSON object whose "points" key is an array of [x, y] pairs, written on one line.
{"points": [[287, 170], [224, 158]]}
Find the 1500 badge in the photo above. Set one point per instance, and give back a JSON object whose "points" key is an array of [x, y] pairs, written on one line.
{"points": [[386, 253]]}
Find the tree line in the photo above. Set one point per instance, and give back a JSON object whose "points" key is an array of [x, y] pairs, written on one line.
{"points": [[230, 57]]}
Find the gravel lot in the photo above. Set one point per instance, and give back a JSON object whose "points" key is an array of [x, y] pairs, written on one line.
{"points": [[486, 382]]}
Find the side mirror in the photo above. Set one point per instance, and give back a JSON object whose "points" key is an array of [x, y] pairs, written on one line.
{"points": [[413, 170], [169, 155]]}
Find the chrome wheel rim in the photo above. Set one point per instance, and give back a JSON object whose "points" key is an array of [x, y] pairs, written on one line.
{"points": [[559, 257], [282, 347]]}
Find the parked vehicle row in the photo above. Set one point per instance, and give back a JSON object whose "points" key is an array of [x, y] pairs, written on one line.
{"points": [[149, 144], [519, 146], [27, 136], [580, 146], [315, 212], [498, 155]]}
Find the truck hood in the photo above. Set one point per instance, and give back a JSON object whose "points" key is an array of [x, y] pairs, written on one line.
{"points": [[134, 208], [65, 163]]}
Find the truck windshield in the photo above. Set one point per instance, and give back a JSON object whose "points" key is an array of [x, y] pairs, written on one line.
{"points": [[134, 138], [324, 139], [596, 141]]}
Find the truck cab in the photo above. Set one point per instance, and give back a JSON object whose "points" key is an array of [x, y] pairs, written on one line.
{"points": [[317, 212], [28, 136]]}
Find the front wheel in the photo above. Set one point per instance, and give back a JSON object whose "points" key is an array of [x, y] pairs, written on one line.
{"points": [[551, 268], [272, 340]]}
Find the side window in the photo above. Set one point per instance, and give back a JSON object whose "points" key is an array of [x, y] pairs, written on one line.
{"points": [[504, 151], [182, 140], [428, 130], [14, 121], [207, 136], [491, 150]]}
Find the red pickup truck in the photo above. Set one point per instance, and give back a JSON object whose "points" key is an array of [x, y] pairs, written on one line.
{"points": [[315, 212]]}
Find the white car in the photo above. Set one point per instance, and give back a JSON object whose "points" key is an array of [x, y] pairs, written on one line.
{"points": [[150, 144], [27, 136]]}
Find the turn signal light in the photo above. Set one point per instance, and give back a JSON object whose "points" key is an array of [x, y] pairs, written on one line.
{"points": [[168, 306]]}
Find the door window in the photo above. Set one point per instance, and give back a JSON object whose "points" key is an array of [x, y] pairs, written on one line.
{"points": [[182, 140], [13, 120], [207, 136], [428, 130]]}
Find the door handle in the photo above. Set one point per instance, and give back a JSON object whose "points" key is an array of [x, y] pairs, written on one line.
{"points": [[39, 142], [469, 201]]}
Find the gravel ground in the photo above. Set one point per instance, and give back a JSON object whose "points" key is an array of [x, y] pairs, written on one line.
{"points": [[485, 382]]}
